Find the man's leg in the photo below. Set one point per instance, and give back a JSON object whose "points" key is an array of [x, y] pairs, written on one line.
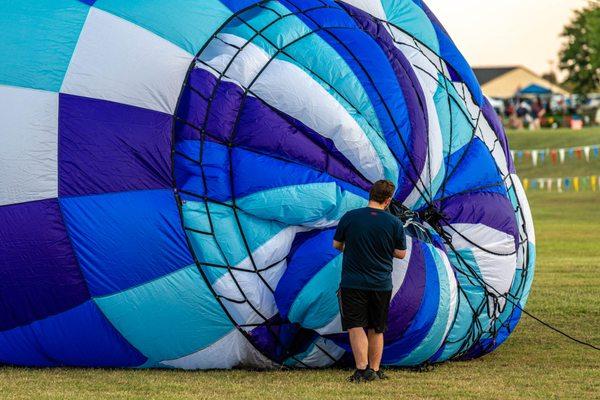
{"points": [[360, 347], [379, 303], [375, 349]]}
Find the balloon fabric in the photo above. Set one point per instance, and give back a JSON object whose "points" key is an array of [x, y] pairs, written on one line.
{"points": [[172, 172]]}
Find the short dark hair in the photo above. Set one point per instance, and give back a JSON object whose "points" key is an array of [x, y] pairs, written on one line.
{"points": [[381, 191]]}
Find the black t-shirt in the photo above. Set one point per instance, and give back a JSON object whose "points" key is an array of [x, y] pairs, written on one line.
{"points": [[370, 237]]}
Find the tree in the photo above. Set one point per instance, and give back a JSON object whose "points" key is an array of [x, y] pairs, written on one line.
{"points": [[580, 56]]}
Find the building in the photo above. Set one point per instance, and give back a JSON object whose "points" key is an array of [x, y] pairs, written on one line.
{"points": [[507, 82]]}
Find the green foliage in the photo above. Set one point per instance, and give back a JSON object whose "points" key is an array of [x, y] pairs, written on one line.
{"points": [[580, 57]]}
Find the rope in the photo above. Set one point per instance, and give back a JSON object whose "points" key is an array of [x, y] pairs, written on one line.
{"points": [[555, 329]]}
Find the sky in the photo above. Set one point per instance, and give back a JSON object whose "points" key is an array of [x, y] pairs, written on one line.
{"points": [[507, 32]]}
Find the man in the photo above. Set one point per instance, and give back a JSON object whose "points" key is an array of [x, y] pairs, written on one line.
{"points": [[370, 238]]}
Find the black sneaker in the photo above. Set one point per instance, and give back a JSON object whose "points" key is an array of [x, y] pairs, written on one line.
{"points": [[381, 375], [358, 376], [370, 375]]}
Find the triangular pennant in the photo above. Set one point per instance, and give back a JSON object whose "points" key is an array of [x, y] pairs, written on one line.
{"points": [[586, 152], [554, 156], [561, 153], [585, 183]]}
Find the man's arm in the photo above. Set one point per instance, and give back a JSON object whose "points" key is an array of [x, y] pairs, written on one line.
{"points": [[340, 234], [399, 254], [400, 245], [338, 245]]}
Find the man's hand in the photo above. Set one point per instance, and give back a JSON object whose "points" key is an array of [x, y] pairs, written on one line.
{"points": [[399, 254], [338, 245]]}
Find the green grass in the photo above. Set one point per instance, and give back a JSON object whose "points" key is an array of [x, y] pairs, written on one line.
{"points": [[553, 139], [548, 138], [534, 363]]}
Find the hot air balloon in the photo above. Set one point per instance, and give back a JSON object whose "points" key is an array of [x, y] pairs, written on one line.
{"points": [[172, 173]]}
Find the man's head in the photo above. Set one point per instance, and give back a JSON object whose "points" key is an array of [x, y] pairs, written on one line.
{"points": [[381, 193]]}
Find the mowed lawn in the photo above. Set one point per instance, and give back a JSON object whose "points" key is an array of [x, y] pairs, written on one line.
{"points": [[555, 139], [534, 363]]}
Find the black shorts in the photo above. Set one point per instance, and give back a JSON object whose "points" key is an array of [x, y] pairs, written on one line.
{"points": [[364, 308]]}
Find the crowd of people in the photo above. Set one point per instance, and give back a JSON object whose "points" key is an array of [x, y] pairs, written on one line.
{"points": [[548, 112], [526, 114]]}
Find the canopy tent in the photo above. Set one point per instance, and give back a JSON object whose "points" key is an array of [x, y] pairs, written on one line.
{"points": [[535, 90]]}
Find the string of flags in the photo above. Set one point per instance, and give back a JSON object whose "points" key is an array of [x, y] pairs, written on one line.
{"points": [[560, 185], [557, 155]]}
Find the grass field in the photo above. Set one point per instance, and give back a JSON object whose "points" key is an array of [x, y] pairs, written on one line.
{"points": [[548, 138], [534, 363], [553, 139]]}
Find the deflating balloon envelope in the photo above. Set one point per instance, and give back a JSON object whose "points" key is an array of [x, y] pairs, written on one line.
{"points": [[173, 173]]}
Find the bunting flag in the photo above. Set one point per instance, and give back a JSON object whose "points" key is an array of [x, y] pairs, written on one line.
{"points": [[554, 156], [538, 156], [586, 152], [562, 152], [561, 185]]}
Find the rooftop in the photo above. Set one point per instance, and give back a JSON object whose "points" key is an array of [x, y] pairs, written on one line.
{"points": [[487, 74]]}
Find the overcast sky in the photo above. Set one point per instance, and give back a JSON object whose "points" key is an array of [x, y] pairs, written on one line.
{"points": [[507, 32]]}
